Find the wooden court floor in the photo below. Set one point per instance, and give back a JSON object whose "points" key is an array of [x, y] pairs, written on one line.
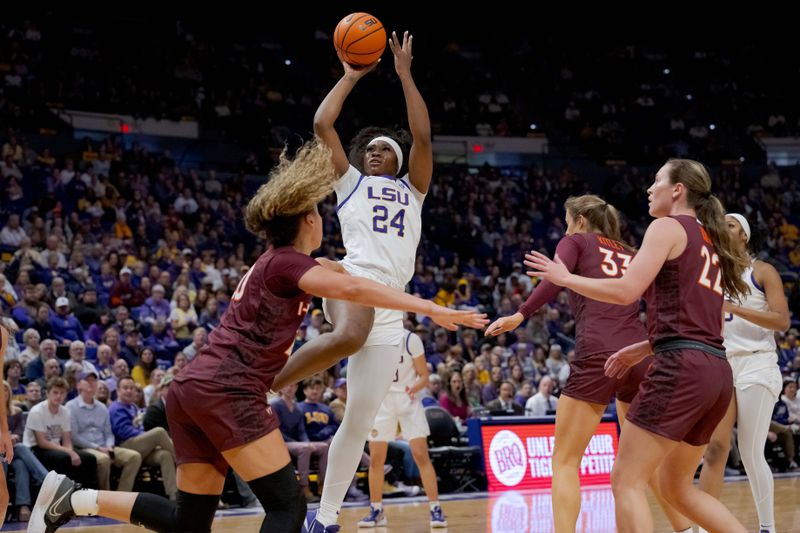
{"points": [[507, 513]]}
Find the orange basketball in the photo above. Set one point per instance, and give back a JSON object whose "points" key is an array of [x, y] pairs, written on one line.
{"points": [[360, 38]]}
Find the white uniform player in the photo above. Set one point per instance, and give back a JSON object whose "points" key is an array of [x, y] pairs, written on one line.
{"points": [[749, 328], [381, 220], [379, 210], [398, 407], [751, 349]]}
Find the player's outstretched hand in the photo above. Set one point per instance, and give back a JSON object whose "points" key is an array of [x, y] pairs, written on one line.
{"points": [[504, 324], [450, 318], [402, 52], [622, 361], [543, 267]]}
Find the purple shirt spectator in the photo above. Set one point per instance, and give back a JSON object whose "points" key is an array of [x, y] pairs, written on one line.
{"points": [[64, 325], [156, 307], [320, 422], [122, 421]]}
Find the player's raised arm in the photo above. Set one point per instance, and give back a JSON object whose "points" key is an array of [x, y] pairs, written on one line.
{"points": [[420, 161]]}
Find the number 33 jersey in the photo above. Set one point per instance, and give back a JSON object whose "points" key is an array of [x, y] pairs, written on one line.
{"points": [[381, 220], [600, 327]]}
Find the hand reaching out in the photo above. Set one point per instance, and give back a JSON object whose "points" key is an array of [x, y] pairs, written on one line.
{"points": [[545, 268], [622, 361], [450, 318], [402, 53], [504, 324]]}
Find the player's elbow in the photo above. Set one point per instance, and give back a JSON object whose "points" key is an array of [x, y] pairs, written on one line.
{"points": [[785, 323], [626, 296], [423, 139], [321, 123]]}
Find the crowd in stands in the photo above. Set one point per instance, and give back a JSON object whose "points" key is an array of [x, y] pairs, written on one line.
{"points": [[119, 263]]}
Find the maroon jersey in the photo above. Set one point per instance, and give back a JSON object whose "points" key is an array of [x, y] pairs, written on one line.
{"points": [[685, 299], [599, 327], [257, 331]]}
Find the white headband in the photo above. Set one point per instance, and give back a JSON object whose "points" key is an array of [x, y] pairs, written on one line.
{"points": [[743, 221], [396, 147]]}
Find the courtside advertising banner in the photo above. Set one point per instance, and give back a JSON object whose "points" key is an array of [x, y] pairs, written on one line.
{"points": [[519, 456]]}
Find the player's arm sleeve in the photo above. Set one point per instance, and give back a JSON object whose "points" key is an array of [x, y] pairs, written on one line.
{"points": [[415, 346], [288, 271], [347, 184], [419, 195], [568, 251]]}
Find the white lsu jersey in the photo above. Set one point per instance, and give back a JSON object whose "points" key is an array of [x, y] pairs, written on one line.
{"points": [[406, 375], [381, 221], [742, 337]]}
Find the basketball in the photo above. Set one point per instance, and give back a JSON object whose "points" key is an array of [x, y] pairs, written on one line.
{"points": [[360, 38]]}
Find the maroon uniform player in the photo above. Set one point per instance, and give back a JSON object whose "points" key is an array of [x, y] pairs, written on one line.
{"points": [[688, 258], [591, 248], [217, 408]]}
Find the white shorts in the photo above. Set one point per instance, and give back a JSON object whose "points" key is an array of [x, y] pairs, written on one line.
{"points": [[396, 408], [757, 369], [387, 328]]}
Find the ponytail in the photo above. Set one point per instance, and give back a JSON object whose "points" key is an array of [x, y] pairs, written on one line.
{"points": [[695, 177], [732, 263]]}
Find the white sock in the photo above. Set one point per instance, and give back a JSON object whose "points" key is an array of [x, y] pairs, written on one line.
{"points": [[771, 529], [687, 530], [328, 514], [369, 376], [701, 530], [753, 417], [433, 504], [84, 502], [377, 506]]}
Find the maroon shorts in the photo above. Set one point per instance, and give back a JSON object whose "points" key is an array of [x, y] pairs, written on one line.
{"points": [[684, 395], [205, 420], [588, 382]]}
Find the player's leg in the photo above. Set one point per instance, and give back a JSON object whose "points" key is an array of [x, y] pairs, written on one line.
{"points": [[4, 498], [716, 454], [678, 488], [640, 454], [377, 458], [369, 375], [576, 421], [200, 479], [419, 449], [199, 487], [351, 326], [679, 523], [755, 405], [266, 466]]}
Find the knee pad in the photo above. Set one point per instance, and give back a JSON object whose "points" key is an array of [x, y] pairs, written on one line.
{"points": [[191, 513], [281, 497]]}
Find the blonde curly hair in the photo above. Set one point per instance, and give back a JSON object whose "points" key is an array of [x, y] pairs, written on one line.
{"points": [[294, 188]]}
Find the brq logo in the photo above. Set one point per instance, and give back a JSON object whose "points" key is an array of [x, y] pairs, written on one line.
{"points": [[507, 458]]}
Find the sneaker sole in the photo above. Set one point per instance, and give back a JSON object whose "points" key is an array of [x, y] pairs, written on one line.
{"points": [[49, 487]]}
